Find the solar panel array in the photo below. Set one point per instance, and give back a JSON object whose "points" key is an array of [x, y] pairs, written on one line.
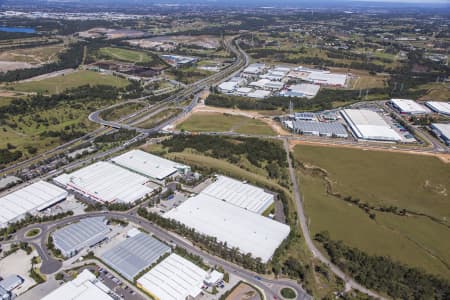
{"points": [[135, 254]]}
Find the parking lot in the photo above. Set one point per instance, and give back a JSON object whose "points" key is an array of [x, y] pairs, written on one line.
{"points": [[118, 286]]}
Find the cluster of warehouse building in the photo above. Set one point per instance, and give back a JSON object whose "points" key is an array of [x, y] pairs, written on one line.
{"points": [[231, 211], [124, 179], [139, 258], [260, 81]]}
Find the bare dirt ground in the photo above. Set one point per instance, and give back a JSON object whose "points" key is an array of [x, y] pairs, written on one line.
{"points": [[244, 292], [6, 66], [442, 156]]}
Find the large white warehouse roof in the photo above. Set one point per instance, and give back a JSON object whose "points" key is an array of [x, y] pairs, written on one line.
{"points": [[240, 228], [439, 107], [84, 287], [369, 125], [407, 106], [175, 278], [147, 164], [106, 182], [35, 197], [241, 194]]}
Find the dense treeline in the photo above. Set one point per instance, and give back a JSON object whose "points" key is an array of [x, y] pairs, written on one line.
{"points": [[255, 150], [383, 274], [323, 100], [120, 135], [7, 156], [15, 35], [70, 58], [209, 243]]}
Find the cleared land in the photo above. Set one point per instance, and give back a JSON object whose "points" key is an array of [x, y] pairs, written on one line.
{"points": [[244, 291], [405, 181], [58, 84], [35, 55], [125, 55], [217, 122]]}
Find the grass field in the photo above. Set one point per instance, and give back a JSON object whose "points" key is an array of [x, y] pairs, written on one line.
{"points": [[126, 55], [414, 240], [217, 122], [159, 118], [58, 84], [121, 111], [436, 92]]}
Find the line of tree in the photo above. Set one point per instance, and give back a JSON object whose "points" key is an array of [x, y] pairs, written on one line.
{"points": [[211, 244], [30, 219], [323, 100], [383, 274]]}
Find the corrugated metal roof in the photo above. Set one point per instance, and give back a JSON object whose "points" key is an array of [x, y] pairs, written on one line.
{"points": [[36, 196], [246, 230], [85, 233], [147, 164], [321, 128], [175, 278], [241, 194], [135, 254], [106, 182]]}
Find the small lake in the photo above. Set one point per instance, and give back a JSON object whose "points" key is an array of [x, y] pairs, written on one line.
{"points": [[17, 29]]}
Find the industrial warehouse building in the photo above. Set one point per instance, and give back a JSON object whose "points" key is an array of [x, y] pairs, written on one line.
{"points": [[149, 165], [29, 200], [442, 131], [241, 194], [106, 182], [368, 125], [246, 230], [320, 77], [408, 107], [84, 287], [135, 254], [305, 90], [175, 278], [332, 129], [77, 236], [439, 107]]}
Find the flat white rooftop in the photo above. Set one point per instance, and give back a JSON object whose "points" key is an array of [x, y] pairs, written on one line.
{"points": [[106, 182], [443, 128], [147, 164], [241, 194], [84, 287], [35, 197], [175, 278], [440, 107], [248, 231], [369, 125], [409, 106]]}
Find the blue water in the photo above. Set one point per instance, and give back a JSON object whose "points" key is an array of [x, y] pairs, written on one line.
{"points": [[17, 29]]}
